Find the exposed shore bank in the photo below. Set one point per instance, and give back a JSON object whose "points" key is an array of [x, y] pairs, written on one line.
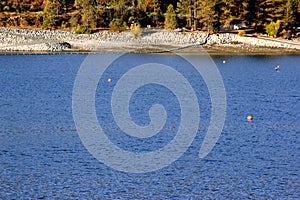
{"points": [[20, 40]]}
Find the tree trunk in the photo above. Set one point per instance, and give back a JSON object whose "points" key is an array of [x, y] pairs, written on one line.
{"points": [[195, 20]]}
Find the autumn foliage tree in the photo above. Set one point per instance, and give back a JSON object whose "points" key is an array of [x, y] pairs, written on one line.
{"points": [[272, 28]]}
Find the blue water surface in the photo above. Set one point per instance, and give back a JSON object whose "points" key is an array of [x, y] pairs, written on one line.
{"points": [[42, 156]]}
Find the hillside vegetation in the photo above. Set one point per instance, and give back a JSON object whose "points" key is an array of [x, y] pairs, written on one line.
{"points": [[85, 16]]}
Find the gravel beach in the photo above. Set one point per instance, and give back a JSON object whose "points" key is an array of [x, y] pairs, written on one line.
{"points": [[21, 40]]}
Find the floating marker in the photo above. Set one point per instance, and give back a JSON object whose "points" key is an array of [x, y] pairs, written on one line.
{"points": [[224, 61], [109, 80], [249, 118]]}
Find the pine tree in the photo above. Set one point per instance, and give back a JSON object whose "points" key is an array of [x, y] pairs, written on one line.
{"points": [[210, 14], [291, 16], [261, 12], [155, 11], [51, 11], [196, 15], [227, 8], [119, 9], [85, 15], [189, 10], [140, 13], [249, 11], [275, 10], [170, 20], [184, 11], [89, 18]]}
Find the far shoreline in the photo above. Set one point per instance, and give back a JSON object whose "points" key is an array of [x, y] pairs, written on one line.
{"points": [[24, 41], [211, 50]]}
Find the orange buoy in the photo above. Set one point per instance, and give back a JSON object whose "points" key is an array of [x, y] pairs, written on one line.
{"points": [[249, 118], [109, 80]]}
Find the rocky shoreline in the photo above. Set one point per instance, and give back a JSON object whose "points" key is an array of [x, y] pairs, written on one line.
{"points": [[21, 40]]}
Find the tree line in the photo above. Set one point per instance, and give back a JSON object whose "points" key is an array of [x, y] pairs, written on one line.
{"points": [[191, 14]]}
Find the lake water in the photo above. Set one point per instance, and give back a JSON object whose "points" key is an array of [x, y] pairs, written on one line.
{"points": [[42, 156]]}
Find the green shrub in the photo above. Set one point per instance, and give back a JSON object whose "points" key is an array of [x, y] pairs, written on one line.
{"points": [[45, 22], [283, 32], [118, 25], [63, 24], [286, 34], [272, 28], [136, 31], [82, 30]]}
